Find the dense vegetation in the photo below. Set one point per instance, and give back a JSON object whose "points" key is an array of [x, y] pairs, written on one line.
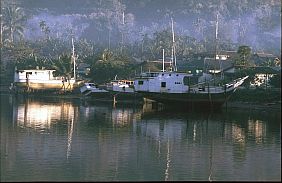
{"points": [[113, 38]]}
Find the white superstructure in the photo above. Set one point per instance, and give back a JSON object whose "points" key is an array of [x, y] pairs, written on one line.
{"points": [[39, 79], [168, 82]]}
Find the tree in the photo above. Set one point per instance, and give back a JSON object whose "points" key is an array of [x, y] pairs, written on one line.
{"points": [[107, 55], [13, 21], [276, 81], [244, 53], [45, 29], [63, 66]]}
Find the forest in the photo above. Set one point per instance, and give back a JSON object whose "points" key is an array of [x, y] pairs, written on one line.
{"points": [[117, 37]]}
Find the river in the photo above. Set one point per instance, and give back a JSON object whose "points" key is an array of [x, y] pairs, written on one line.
{"points": [[71, 140]]}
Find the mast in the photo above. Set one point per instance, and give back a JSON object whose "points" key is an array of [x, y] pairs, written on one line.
{"points": [[173, 55], [122, 30], [73, 57], [216, 40], [216, 32]]}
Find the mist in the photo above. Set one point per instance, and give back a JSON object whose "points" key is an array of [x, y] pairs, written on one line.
{"points": [[256, 25]]}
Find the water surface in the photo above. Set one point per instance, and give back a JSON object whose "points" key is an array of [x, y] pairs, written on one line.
{"points": [[65, 140]]}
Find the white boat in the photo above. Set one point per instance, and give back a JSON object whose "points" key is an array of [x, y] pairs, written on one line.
{"points": [[177, 88], [90, 89], [39, 80], [122, 89], [173, 87], [121, 86], [33, 80]]}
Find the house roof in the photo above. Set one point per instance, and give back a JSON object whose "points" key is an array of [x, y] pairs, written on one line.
{"points": [[265, 55], [229, 54], [35, 70], [82, 66], [268, 70], [218, 64]]}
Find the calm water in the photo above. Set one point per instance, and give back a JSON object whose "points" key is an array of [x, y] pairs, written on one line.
{"points": [[63, 140]]}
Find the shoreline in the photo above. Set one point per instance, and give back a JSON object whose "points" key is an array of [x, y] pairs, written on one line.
{"points": [[252, 105], [233, 103], [230, 104]]}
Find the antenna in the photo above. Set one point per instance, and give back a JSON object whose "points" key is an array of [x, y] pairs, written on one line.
{"points": [[73, 57], [163, 62], [123, 17], [216, 26]]}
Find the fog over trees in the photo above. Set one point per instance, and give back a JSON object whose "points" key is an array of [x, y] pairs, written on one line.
{"points": [[256, 23], [118, 30]]}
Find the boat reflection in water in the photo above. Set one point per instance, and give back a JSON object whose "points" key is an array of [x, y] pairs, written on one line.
{"points": [[233, 131], [39, 116], [98, 142], [44, 117]]}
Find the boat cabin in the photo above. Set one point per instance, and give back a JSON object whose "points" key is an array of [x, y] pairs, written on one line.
{"points": [[169, 82], [121, 85], [34, 75]]}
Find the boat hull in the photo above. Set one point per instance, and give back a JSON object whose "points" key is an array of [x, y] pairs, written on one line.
{"points": [[215, 100], [100, 95], [44, 86], [121, 96], [116, 97]]}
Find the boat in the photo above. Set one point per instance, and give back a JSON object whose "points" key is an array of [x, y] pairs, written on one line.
{"points": [[122, 90], [38, 80], [181, 88], [92, 90], [115, 91], [32, 80], [176, 88], [121, 86]]}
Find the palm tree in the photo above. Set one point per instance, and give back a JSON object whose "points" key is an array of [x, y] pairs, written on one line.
{"points": [[13, 19], [107, 55], [45, 29], [63, 66]]}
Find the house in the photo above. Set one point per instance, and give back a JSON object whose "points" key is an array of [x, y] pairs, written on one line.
{"points": [[216, 66], [206, 62], [265, 59]]}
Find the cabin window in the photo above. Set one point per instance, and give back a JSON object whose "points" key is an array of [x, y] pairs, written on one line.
{"points": [[162, 74], [163, 84], [176, 74], [153, 74], [199, 71], [169, 74], [177, 83], [140, 82]]}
